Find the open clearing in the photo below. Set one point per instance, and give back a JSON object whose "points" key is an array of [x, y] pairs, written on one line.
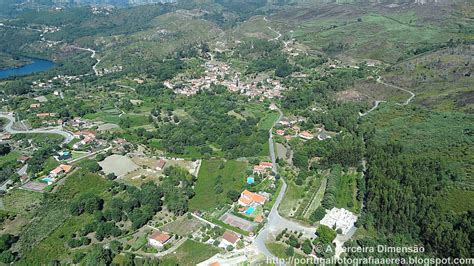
{"points": [[183, 226], [118, 164], [233, 178], [190, 253]]}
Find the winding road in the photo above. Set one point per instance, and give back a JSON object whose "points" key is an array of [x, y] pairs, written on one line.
{"points": [[52, 130], [377, 103], [93, 56], [276, 222]]}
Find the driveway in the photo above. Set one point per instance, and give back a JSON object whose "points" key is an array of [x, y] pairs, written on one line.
{"points": [[68, 136]]}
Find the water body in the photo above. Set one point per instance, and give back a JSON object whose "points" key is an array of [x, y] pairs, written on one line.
{"points": [[38, 65]]}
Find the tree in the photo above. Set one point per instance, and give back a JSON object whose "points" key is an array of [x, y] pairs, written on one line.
{"points": [[98, 256], [318, 214], [290, 251], [233, 195], [4, 149], [307, 247]]}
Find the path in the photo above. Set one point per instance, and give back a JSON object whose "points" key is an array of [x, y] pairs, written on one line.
{"points": [[377, 103], [90, 154], [412, 94], [68, 136], [277, 223]]}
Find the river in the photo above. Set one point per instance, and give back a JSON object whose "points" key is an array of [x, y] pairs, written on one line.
{"points": [[38, 65]]}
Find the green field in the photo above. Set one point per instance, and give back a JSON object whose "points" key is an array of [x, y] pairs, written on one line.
{"points": [[190, 253], [268, 121], [346, 192], [10, 157], [457, 200], [233, 177], [293, 194]]}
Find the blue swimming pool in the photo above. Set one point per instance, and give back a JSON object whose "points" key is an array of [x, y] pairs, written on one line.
{"points": [[47, 180], [250, 210]]}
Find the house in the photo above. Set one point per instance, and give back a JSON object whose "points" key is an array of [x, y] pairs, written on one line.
{"points": [[257, 169], [249, 198], [280, 132], [84, 134], [266, 165], [229, 238], [42, 115], [340, 219], [160, 165], [158, 239], [62, 169], [5, 136], [23, 159], [35, 105], [306, 135], [120, 141]]}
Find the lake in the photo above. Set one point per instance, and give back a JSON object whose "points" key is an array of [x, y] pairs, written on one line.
{"points": [[37, 65]]}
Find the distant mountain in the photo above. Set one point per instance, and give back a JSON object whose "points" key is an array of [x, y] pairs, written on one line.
{"points": [[110, 2]]}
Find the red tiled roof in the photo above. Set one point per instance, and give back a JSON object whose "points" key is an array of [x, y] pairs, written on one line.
{"points": [[230, 236], [161, 237]]}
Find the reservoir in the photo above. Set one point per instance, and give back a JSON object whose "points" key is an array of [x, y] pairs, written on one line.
{"points": [[37, 65]]}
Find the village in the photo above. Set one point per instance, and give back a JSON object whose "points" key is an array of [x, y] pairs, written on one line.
{"points": [[220, 73]]}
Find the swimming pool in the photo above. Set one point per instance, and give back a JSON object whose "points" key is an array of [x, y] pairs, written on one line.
{"points": [[47, 180], [250, 210]]}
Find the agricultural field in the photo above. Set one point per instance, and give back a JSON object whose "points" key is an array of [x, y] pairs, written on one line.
{"points": [[232, 174], [183, 226]]}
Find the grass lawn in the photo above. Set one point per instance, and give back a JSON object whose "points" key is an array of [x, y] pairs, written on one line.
{"points": [[49, 165], [293, 193], [267, 121], [190, 253], [12, 156], [346, 192], [233, 178]]}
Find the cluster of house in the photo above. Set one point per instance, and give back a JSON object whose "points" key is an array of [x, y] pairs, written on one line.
{"points": [[305, 135], [65, 79], [112, 69], [340, 219], [85, 136], [218, 73], [262, 167]]}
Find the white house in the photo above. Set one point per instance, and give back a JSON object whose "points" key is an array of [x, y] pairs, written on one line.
{"points": [[158, 239]]}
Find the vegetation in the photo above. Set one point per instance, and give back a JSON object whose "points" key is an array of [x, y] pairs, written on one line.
{"points": [[215, 173]]}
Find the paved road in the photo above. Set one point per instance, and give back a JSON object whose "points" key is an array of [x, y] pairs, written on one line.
{"points": [[93, 56], [53, 130], [276, 222]]}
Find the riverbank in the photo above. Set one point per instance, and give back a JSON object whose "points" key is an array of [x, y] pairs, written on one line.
{"points": [[36, 65]]}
